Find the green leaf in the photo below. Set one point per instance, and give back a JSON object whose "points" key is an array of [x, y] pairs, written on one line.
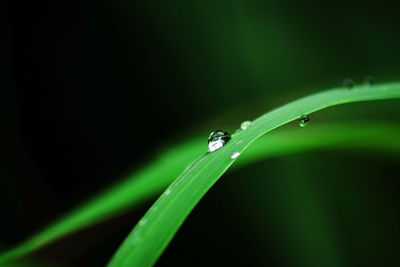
{"points": [[145, 183], [155, 230], [160, 173]]}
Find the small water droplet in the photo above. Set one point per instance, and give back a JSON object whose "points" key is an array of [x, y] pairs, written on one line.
{"points": [[235, 155], [245, 125], [142, 222], [135, 238], [239, 142], [304, 120], [167, 192], [368, 80], [237, 131], [217, 139], [348, 83]]}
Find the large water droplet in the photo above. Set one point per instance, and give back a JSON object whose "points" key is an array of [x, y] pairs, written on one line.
{"points": [[235, 155], [368, 80], [217, 139], [245, 125], [304, 120], [348, 83]]}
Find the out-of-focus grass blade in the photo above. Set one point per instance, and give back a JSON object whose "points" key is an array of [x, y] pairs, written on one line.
{"points": [[139, 186], [383, 136], [160, 173], [155, 230]]}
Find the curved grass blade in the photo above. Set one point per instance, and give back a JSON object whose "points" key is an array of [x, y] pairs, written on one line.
{"points": [[160, 173], [155, 230], [150, 180], [138, 187], [377, 136]]}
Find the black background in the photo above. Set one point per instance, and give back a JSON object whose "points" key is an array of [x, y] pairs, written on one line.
{"points": [[91, 89]]}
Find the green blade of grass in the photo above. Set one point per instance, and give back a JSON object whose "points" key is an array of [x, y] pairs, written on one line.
{"points": [[374, 135], [160, 173], [155, 230], [334, 135], [138, 187]]}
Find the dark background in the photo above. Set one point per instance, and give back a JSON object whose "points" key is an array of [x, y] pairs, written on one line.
{"points": [[90, 90]]}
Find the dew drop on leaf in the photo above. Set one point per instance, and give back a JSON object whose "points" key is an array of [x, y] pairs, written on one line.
{"points": [[304, 120], [217, 139], [348, 83], [245, 125], [235, 155]]}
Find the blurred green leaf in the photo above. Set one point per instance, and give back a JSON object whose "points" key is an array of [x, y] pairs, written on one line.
{"points": [[155, 230], [145, 183]]}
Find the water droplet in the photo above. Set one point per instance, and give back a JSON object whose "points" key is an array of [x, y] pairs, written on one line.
{"points": [[235, 155], [167, 192], [245, 125], [304, 120], [239, 142], [217, 139], [368, 80], [348, 83], [135, 238], [237, 131]]}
